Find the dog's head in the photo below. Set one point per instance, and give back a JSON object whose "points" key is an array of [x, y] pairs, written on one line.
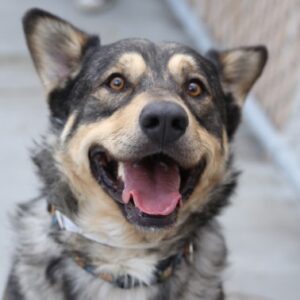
{"points": [[142, 129]]}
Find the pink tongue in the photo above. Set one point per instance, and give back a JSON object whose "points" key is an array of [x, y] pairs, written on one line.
{"points": [[153, 186]]}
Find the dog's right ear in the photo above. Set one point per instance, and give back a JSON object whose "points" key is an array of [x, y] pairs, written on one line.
{"points": [[57, 47]]}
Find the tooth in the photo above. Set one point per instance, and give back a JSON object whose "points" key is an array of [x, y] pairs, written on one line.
{"points": [[121, 171]]}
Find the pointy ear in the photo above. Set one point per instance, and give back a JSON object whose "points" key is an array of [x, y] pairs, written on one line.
{"points": [[239, 69], [57, 47]]}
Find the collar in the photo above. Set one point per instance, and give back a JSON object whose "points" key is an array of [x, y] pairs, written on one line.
{"points": [[164, 269]]}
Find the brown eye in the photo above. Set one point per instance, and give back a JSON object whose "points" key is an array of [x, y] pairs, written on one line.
{"points": [[116, 83], [194, 88]]}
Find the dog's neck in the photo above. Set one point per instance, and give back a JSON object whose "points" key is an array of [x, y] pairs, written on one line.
{"points": [[164, 268]]}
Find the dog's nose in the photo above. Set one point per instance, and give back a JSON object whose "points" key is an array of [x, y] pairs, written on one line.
{"points": [[163, 122]]}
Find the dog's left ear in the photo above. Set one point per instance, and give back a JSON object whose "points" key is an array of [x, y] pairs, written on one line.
{"points": [[239, 69], [56, 47]]}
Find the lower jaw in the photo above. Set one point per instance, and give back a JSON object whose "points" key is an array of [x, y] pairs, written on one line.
{"points": [[146, 221]]}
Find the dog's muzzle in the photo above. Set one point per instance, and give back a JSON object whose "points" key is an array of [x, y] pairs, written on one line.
{"points": [[151, 186]]}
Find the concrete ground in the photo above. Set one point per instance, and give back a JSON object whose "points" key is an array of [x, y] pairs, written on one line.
{"points": [[262, 225]]}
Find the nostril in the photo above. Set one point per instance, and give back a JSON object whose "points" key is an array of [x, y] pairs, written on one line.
{"points": [[151, 122], [179, 124]]}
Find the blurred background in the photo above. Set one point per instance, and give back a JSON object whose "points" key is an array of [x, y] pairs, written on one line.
{"points": [[262, 224]]}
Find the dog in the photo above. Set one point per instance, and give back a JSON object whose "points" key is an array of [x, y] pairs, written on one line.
{"points": [[135, 167]]}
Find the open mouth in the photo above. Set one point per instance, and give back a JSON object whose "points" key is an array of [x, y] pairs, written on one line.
{"points": [[149, 191]]}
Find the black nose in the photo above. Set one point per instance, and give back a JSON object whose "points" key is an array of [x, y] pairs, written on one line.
{"points": [[163, 122]]}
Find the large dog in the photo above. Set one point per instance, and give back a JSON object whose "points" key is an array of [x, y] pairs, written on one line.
{"points": [[136, 166]]}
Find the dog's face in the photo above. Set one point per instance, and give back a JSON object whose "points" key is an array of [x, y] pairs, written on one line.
{"points": [[142, 129]]}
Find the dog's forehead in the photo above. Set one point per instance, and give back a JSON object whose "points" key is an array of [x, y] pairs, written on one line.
{"points": [[172, 55]]}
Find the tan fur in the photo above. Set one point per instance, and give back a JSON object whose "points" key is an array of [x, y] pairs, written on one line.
{"points": [[240, 70], [68, 127], [216, 158], [118, 134], [99, 213], [180, 63], [132, 64], [213, 175], [183, 67], [47, 31]]}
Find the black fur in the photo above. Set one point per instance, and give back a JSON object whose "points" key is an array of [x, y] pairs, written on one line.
{"points": [[44, 266], [13, 290]]}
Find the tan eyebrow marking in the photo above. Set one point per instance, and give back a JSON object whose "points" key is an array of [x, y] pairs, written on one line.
{"points": [[181, 63], [133, 64]]}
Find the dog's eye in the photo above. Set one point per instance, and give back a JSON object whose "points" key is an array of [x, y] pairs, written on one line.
{"points": [[116, 82], [194, 88]]}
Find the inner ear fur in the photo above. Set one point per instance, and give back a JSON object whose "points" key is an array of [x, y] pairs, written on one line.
{"points": [[239, 68], [56, 47]]}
